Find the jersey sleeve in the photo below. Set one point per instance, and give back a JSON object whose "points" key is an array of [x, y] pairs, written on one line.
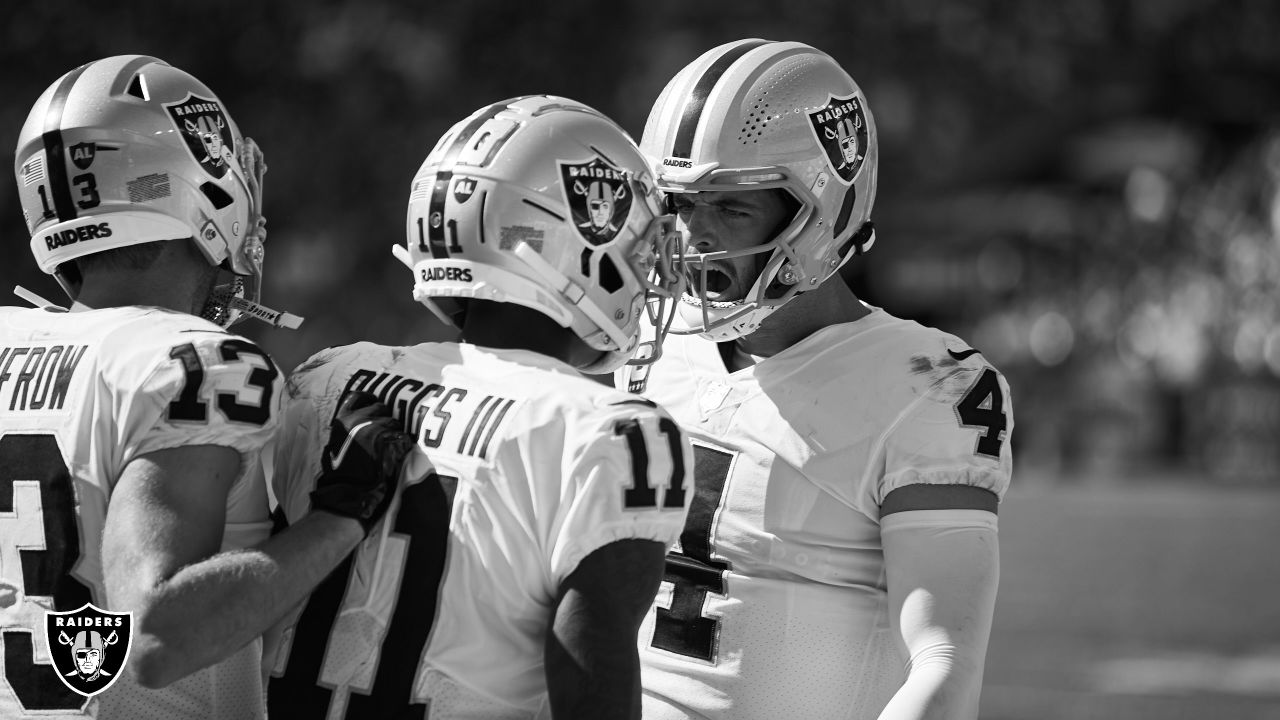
{"points": [[629, 476], [957, 432], [209, 388], [310, 401]]}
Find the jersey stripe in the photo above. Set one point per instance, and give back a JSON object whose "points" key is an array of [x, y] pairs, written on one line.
{"points": [[683, 145]]}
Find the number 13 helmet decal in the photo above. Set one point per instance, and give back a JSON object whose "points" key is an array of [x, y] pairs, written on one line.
{"points": [[128, 150], [753, 115], [544, 202]]}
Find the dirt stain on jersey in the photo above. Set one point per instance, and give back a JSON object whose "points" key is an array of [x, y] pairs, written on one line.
{"points": [[943, 377]]}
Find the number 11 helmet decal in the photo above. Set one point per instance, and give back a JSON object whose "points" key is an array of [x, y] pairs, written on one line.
{"points": [[754, 115], [544, 202], [129, 150]]}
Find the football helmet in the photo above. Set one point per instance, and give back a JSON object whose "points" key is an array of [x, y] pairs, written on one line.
{"points": [[545, 202], [754, 115], [128, 150]]}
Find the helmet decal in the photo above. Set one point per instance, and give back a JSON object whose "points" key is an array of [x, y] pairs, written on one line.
{"points": [[841, 129], [204, 127], [599, 196], [463, 188], [82, 154]]}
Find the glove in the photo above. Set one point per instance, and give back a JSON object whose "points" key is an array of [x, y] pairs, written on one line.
{"points": [[361, 463]]}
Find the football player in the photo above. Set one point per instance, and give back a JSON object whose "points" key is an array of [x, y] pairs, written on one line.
{"points": [[129, 424], [528, 538], [840, 556]]}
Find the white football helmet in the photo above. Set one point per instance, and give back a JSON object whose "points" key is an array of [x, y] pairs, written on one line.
{"points": [[128, 150], [545, 202], [754, 115]]}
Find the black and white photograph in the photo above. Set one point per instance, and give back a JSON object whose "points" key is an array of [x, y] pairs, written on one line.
{"points": [[661, 359]]}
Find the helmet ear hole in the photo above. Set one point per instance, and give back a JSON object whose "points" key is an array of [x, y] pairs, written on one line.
{"points": [[610, 278], [219, 197]]}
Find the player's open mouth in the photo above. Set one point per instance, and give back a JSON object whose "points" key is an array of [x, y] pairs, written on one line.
{"points": [[716, 282]]}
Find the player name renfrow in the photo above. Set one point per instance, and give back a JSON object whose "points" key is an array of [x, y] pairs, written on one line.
{"points": [[60, 621], [36, 377], [440, 417]]}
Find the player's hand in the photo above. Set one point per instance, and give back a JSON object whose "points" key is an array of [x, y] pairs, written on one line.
{"points": [[361, 463]]}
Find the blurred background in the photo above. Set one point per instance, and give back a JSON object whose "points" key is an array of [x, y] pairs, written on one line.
{"points": [[1087, 190]]}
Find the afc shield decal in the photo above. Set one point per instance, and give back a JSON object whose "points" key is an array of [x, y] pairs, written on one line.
{"points": [[204, 128], [88, 646], [599, 195], [840, 127], [82, 154]]}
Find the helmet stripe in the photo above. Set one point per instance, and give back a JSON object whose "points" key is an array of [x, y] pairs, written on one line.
{"points": [[683, 146], [55, 150], [444, 176]]}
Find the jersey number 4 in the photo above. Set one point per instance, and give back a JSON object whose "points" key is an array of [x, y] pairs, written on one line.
{"points": [[982, 407], [46, 566], [684, 629]]}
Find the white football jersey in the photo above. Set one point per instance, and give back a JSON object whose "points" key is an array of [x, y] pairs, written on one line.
{"points": [[523, 468], [774, 604], [81, 395]]}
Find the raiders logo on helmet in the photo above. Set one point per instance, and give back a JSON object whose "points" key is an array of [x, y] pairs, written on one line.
{"points": [[599, 195], [841, 129], [203, 125], [88, 646]]}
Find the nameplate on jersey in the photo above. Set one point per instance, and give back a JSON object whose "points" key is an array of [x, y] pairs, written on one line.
{"points": [[35, 377], [452, 419]]}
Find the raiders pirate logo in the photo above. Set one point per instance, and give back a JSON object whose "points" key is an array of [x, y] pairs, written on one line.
{"points": [[840, 127], [88, 646], [599, 195], [206, 131]]}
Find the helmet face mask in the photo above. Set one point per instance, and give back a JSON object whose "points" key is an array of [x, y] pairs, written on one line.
{"points": [[755, 115], [544, 202], [129, 150]]}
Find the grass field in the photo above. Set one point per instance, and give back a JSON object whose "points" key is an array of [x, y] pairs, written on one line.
{"points": [[1153, 600]]}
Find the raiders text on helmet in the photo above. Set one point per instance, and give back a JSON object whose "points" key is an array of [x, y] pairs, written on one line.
{"points": [[128, 150], [754, 115], [545, 202]]}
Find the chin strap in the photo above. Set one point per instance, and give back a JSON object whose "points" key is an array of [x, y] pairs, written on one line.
{"points": [[275, 318], [35, 299]]}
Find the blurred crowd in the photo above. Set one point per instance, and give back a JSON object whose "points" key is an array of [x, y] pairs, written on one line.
{"points": [[1089, 190]]}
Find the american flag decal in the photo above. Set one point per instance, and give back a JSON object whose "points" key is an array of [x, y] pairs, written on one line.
{"points": [[33, 171]]}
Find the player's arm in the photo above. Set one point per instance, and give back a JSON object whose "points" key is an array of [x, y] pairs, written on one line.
{"points": [[593, 669], [942, 563], [947, 461], [193, 605]]}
